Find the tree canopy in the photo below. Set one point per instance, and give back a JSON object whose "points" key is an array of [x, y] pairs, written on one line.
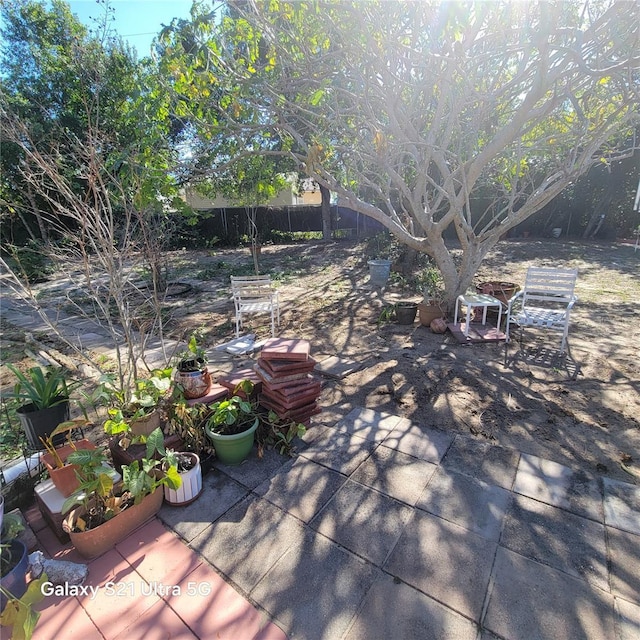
{"points": [[426, 116]]}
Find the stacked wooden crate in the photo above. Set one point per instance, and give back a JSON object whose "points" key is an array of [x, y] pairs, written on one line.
{"points": [[288, 387]]}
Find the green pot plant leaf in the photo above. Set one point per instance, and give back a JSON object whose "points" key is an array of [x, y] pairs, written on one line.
{"points": [[18, 614]]}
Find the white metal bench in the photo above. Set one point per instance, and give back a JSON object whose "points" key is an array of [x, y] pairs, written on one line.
{"points": [[545, 301], [255, 294]]}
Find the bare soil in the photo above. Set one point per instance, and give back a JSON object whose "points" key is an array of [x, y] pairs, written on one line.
{"points": [[581, 410]]}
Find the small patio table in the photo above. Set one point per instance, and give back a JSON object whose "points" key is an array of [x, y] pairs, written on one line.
{"points": [[471, 300]]}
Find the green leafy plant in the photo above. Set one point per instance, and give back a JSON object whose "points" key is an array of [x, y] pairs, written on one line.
{"points": [[18, 613], [42, 388], [235, 414], [64, 427], [101, 499], [386, 315], [430, 282], [194, 358], [126, 406], [278, 434]]}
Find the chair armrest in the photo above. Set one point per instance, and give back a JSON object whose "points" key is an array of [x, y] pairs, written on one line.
{"points": [[573, 300], [513, 299]]}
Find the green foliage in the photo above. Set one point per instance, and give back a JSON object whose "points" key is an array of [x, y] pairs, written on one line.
{"points": [[235, 414], [42, 388], [195, 357], [131, 403], [97, 492], [19, 613], [429, 283], [13, 439], [30, 260], [278, 434]]}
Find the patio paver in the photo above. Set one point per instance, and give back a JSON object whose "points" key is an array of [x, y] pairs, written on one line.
{"points": [[471, 503], [445, 561], [247, 540], [419, 616], [315, 589], [557, 538], [301, 488], [363, 521], [530, 600], [559, 486]]}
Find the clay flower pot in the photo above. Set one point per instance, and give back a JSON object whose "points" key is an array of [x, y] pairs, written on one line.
{"points": [[64, 478], [428, 312], [94, 542]]}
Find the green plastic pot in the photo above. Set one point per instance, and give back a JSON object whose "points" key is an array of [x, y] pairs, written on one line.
{"points": [[235, 448]]}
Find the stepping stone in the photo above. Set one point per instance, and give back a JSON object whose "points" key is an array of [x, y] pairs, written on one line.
{"points": [[529, 596], [621, 504], [335, 367], [559, 486], [286, 349]]}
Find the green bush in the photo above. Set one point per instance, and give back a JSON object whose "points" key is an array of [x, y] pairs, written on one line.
{"points": [[30, 261]]}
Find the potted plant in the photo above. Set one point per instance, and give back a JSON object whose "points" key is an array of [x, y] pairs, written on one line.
{"points": [[186, 422], [405, 311], [47, 394], [232, 425], [135, 410], [191, 371], [431, 306], [16, 596], [188, 465], [64, 475], [133, 414], [107, 512]]}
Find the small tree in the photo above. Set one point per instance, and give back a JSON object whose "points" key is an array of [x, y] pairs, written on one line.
{"points": [[102, 189]]}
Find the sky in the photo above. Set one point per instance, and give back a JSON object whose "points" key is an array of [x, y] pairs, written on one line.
{"points": [[137, 21]]}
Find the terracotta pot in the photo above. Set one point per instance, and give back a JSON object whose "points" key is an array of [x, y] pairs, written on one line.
{"points": [[502, 291], [145, 425], [95, 542], [64, 478], [190, 488], [429, 312], [195, 384]]}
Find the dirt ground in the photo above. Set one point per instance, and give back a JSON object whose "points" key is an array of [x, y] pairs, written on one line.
{"points": [[582, 411]]}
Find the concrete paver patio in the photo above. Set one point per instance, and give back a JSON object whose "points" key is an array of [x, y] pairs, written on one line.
{"points": [[380, 528]]}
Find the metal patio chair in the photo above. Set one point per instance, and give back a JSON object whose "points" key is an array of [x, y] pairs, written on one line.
{"points": [[545, 302], [255, 294]]}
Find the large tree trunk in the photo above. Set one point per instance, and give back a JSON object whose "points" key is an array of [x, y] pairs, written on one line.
{"points": [[326, 213]]}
